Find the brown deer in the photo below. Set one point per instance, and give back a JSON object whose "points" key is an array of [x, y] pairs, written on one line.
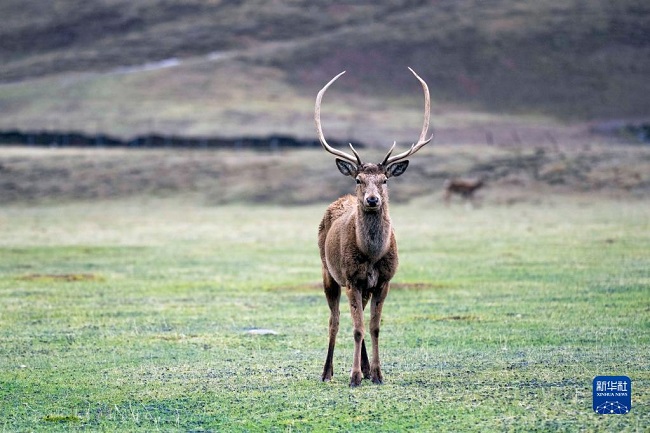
{"points": [[463, 187], [357, 245]]}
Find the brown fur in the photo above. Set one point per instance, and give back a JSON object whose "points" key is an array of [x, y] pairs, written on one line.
{"points": [[357, 244], [463, 187], [358, 251]]}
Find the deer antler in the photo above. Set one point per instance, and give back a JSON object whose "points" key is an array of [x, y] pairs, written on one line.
{"points": [[425, 128], [319, 129]]}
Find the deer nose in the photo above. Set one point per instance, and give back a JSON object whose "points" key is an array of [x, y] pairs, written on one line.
{"points": [[372, 201]]}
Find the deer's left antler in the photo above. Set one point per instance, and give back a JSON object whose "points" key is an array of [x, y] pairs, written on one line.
{"points": [[425, 128]]}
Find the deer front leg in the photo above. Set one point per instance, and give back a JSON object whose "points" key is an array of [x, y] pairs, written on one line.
{"points": [[376, 306], [333, 295], [356, 310]]}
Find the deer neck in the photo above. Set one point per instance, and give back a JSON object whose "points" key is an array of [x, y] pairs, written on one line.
{"points": [[373, 232]]}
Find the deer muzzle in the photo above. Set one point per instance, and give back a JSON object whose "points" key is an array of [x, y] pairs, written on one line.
{"points": [[372, 202]]}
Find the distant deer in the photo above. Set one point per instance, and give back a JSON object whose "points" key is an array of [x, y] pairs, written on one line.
{"points": [[357, 245], [463, 187]]}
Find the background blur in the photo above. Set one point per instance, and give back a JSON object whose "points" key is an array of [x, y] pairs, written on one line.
{"points": [[531, 74]]}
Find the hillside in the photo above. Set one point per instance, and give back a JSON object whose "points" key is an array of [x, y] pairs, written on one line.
{"points": [[233, 67], [32, 175]]}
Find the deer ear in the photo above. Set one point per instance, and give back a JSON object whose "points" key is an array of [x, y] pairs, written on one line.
{"points": [[397, 169], [346, 168]]}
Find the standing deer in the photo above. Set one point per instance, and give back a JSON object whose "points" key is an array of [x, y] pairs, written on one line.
{"points": [[357, 244], [463, 187]]}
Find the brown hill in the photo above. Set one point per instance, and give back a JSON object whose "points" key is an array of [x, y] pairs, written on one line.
{"points": [[569, 59]]}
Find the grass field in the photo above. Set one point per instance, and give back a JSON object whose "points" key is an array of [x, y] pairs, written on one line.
{"points": [[135, 315]]}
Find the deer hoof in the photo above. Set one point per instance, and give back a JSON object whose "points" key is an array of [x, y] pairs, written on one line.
{"points": [[376, 376], [328, 372], [355, 379]]}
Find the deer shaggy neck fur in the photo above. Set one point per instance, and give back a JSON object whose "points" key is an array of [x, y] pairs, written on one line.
{"points": [[373, 238]]}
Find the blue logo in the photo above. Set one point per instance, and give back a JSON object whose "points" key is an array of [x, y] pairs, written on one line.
{"points": [[612, 395]]}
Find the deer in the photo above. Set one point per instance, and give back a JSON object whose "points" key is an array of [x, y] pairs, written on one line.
{"points": [[465, 187], [357, 244]]}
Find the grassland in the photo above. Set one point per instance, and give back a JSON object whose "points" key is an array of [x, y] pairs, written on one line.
{"points": [[135, 315]]}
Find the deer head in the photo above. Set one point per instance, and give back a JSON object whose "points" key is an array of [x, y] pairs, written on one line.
{"points": [[371, 178]]}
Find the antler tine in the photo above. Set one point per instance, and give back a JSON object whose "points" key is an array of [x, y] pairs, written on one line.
{"points": [[319, 128], [425, 127], [389, 152], [356, 154]]}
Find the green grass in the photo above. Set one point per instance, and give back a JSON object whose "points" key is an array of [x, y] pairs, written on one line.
{"points": [[134, 315]]}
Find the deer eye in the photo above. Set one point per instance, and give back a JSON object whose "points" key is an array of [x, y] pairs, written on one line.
{"points": [[358, 181], [385, 181]]}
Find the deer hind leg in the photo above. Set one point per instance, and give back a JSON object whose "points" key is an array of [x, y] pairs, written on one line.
{"points": [[333, 295], [375, 320], [365, 363], [356, 310]]}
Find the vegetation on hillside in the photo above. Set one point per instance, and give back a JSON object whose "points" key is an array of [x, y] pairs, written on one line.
{"points": [[566, 59], [309, 176]]}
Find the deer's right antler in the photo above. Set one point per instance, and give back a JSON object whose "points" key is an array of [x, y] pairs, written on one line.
{"points": [[356, 159]]}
